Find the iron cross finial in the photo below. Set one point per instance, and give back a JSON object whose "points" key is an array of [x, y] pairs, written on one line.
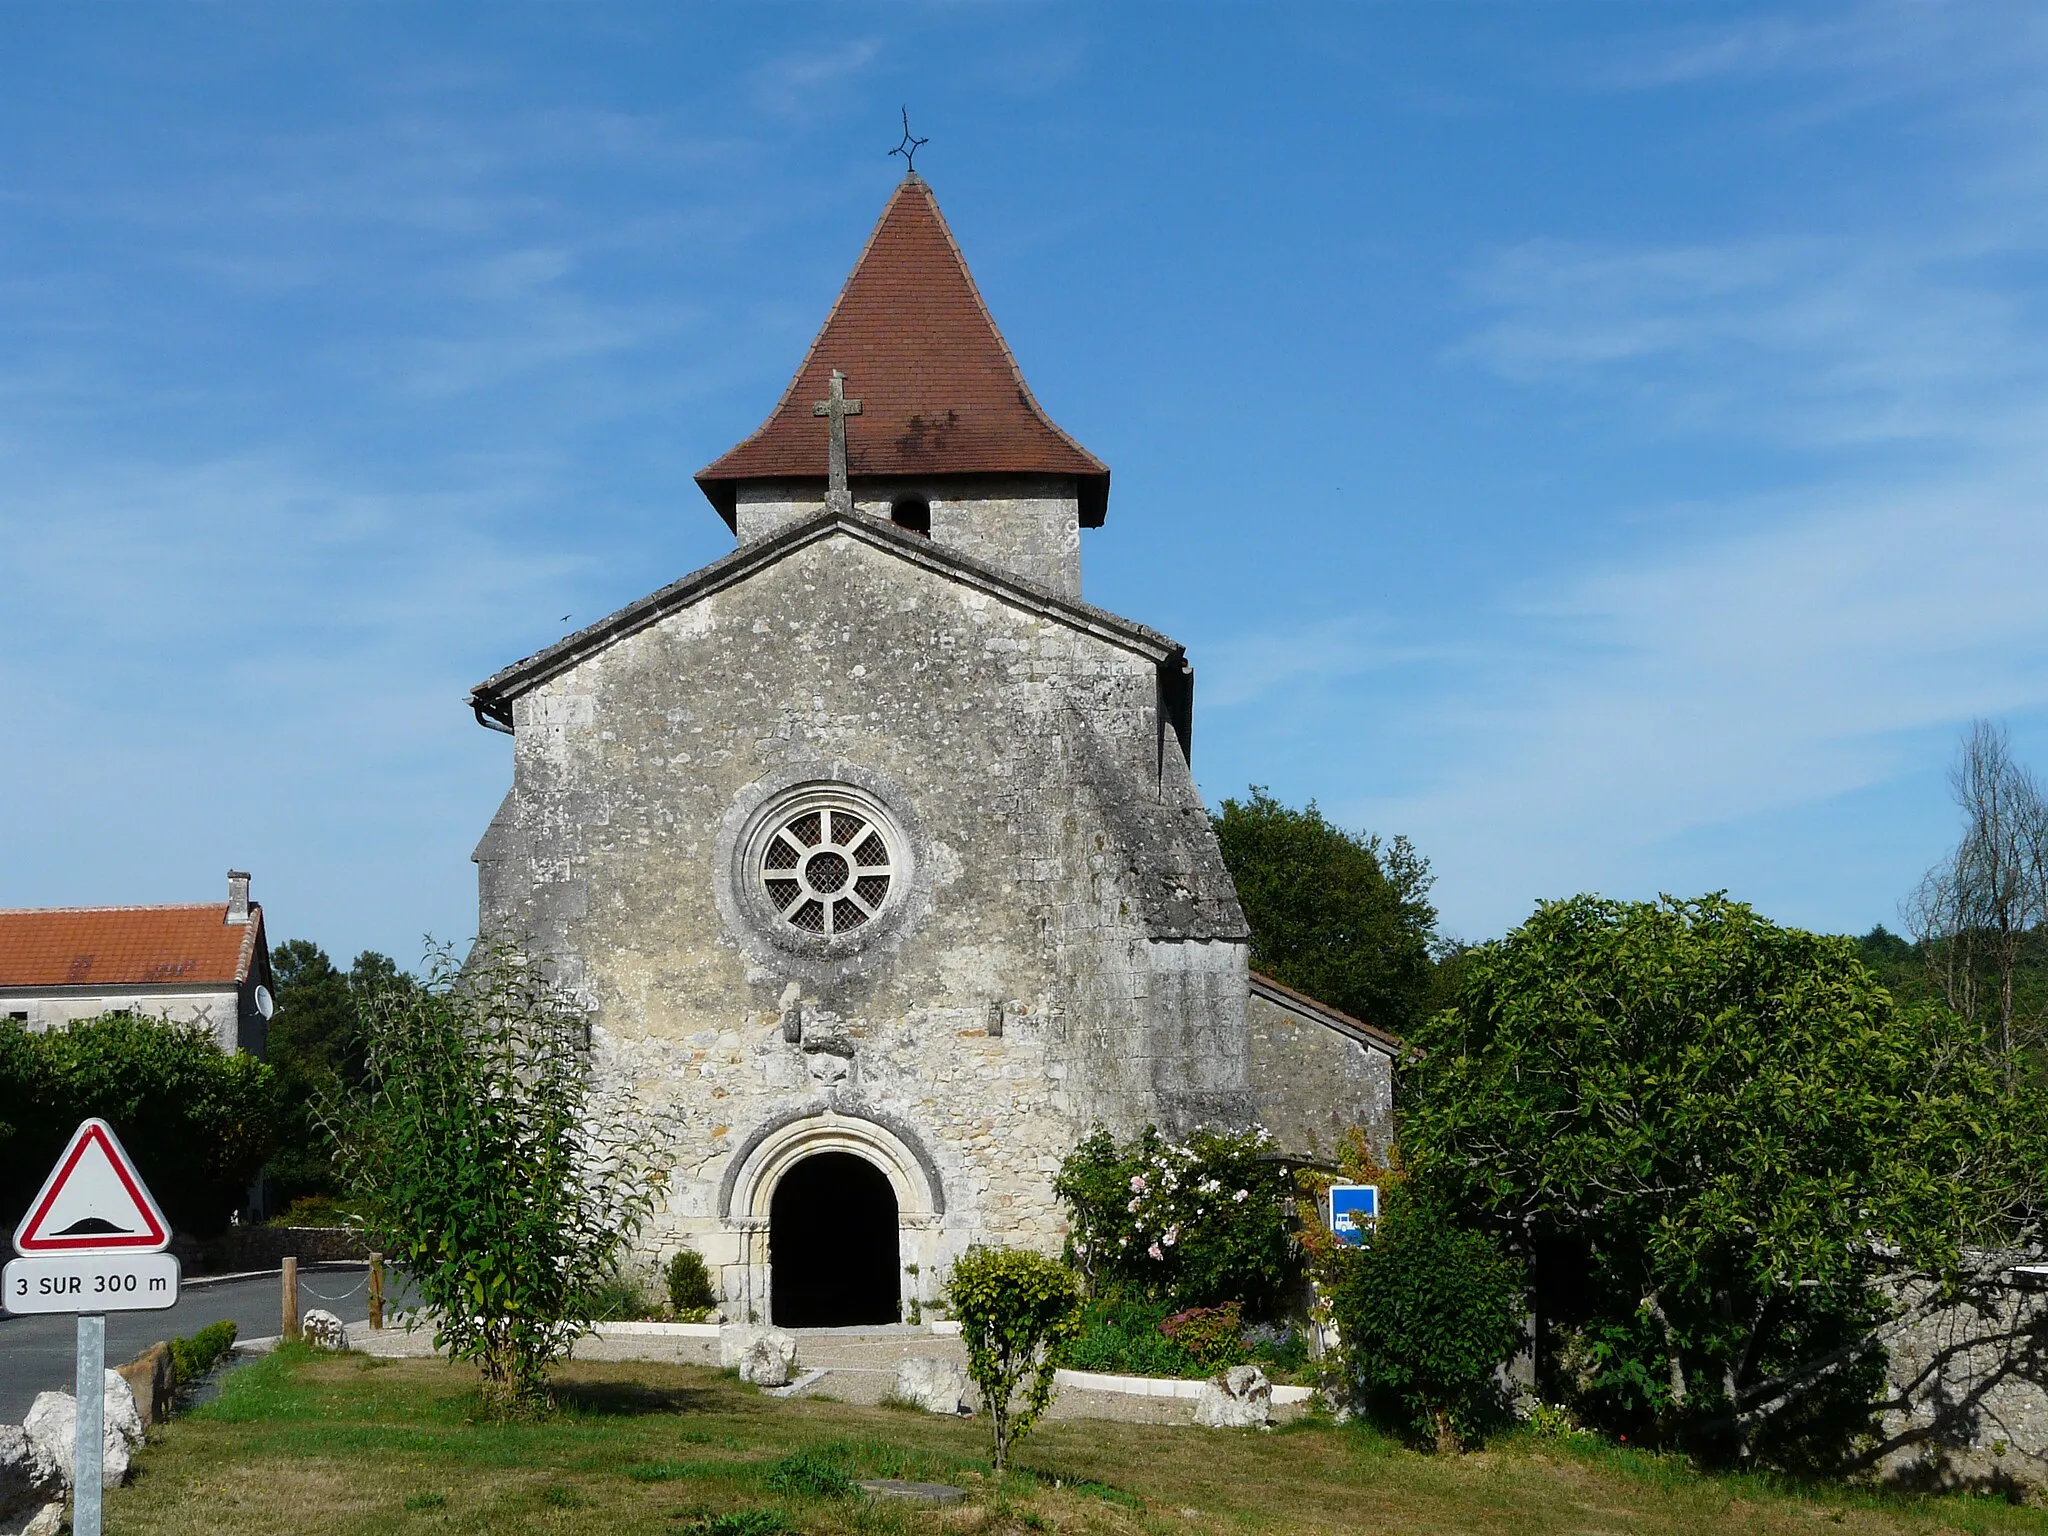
{"points": [[838, 408], [910, 146]]}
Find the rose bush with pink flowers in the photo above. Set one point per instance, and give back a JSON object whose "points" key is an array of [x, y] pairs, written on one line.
{"points": [[1197, 1223]]}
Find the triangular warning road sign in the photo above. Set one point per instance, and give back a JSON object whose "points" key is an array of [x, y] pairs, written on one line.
{"points": [[93, 1201]]}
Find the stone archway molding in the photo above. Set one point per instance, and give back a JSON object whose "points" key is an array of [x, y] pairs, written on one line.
{"points": [[783, 1140]]}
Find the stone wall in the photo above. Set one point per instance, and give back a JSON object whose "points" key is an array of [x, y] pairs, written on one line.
{"points": [[1028, 524], [1968, 1392], [1313, 1081]]}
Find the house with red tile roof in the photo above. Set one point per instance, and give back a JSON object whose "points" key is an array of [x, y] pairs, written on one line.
{"points": [[206, 963]]}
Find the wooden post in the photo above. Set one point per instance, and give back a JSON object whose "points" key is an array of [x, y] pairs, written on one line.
{"points": [[291, 1301], [376, 1290]]}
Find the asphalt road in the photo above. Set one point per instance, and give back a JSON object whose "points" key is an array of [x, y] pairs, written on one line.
{"points": [[39, 1353]]}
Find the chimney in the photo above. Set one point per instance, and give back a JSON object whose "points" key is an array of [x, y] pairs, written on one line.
{"points": [[238, 896]]}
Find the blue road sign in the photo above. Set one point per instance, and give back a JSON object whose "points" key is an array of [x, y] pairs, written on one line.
{"points": [[1353, 1208]]}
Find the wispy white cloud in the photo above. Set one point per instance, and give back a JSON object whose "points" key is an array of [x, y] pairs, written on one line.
{"points": [[1832, 341], [798, 83], [1775, 650]]}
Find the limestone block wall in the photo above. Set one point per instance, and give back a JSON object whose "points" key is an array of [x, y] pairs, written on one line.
{"points": [[1968, 1392], [962, 713], [1030, 524], [1313, 1083]]}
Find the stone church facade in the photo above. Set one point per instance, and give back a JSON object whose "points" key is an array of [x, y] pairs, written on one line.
{"points": [[872, 850]]}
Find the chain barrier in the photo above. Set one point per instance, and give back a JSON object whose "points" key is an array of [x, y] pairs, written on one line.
{"points": [[307, 1290]]}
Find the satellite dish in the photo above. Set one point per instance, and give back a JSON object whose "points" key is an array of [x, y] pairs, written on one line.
{"points": [[265, 1004]]}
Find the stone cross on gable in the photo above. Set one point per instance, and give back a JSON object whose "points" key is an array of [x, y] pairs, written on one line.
{"points": [[838, 408]]}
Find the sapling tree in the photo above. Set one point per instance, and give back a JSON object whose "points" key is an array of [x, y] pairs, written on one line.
{"points": [[481, 1168], [1015, 1308]]}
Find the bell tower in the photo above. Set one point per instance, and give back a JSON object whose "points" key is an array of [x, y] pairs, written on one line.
{"points": [[939, 433]]}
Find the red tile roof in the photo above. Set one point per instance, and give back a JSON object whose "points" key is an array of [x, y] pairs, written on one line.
{"points": [[99, 947], [940, 393]]}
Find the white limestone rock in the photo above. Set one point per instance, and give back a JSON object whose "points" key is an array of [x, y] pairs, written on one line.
{"points": [[52, 1424], [933, 1382], [31, 1484], [47, 1520], [1240, 1398], [764, 1356], [323, 1330]]}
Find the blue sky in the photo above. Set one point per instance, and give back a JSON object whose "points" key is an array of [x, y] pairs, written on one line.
{"points": [[1604, 442]]}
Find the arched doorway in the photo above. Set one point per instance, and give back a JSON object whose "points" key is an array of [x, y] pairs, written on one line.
{"points": [[832, 1244]]}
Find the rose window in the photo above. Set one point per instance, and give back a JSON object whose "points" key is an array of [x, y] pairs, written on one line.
{"points": [[827, 870]]}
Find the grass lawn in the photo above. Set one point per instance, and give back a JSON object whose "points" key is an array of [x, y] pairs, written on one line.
{"points": [[304, 1444]]}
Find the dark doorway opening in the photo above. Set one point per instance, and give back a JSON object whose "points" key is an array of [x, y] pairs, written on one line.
{"points": [[832, 1244], [913, 513]]}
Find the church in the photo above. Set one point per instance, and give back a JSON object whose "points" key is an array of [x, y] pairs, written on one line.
{"points": [[872, 850]]}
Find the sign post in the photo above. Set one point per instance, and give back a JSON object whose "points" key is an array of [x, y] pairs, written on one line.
{"points": [[92, 1242]]}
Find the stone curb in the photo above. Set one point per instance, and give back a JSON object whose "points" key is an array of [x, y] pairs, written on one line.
{"points": [[1163, 1386]]}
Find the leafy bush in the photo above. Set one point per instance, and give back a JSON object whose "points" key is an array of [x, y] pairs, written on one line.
{"points": [[1015, 1309], [471, 1147], [1282, 1349], [1723, 1139], [1428, 1312], [616, 1298], [690, 1294], [808, 1474], [1213, 1335], [1195, 1223], [192, 1358], [1121, 1336], [199, 1121], [314, 1211]]}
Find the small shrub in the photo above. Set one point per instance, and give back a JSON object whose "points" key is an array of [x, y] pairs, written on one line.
{"points": [[1213, 1335], [690, 1293], [1121, 1335], [616, 1299], [1429, 1311], [1277, 1346], [807, 1474], [192, 1358], [1016, 1309]]}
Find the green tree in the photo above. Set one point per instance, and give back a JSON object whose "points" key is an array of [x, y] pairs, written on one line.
{"points": [[1015, 1310], [1428, 1311], [316, 1045], [1339, 915], [486, 1170], [199, 1121], [1712, 1136]]}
